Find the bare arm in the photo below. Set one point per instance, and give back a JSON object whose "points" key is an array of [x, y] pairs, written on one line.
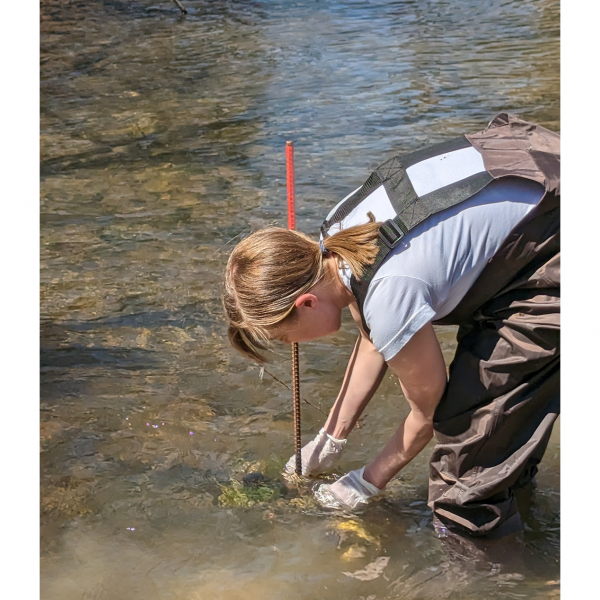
{"points": [[422, 373], [364, 373]]}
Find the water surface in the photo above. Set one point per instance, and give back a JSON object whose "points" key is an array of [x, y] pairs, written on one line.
{"points": [[162, 144]]}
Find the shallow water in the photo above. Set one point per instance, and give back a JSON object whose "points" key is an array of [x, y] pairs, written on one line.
{"points": [[162, 143]]}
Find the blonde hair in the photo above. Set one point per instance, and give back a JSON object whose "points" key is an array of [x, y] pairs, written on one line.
{"points": [[270, 269]]}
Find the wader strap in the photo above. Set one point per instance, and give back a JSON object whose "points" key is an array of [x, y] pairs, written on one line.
{"points": [[409, 207], [392, 174], [414, 212], [351, 203]]}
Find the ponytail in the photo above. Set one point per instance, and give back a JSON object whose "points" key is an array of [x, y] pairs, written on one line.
{"points": [[356, 246]]}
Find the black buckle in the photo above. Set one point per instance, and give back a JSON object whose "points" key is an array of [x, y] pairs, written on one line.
{"points": [[390, 239]]}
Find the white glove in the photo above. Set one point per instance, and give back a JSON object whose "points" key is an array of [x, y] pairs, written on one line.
{"points": [[318, 456], [347, 492]]}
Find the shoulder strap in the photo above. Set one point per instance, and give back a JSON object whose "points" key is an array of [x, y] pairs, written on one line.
{"points": [[410, 208]]}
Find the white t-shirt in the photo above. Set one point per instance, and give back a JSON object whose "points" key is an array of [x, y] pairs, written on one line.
{"points": [[430, 271]]}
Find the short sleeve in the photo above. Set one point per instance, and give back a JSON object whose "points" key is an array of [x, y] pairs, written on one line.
{"points": [[395, 308]]}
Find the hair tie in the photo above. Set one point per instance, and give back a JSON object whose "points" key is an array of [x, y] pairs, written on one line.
{"points": [[322, 246]]}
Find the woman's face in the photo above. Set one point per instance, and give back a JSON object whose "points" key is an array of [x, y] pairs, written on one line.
{"points": [[314, 317]]}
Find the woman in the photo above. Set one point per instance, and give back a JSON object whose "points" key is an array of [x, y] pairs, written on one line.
{"points": [[464, 233]]}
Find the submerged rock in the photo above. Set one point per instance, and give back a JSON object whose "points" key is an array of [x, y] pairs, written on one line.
{"points": [[253, 479]]}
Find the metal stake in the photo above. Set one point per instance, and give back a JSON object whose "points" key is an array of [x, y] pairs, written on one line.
{"points": [[289, 155]]}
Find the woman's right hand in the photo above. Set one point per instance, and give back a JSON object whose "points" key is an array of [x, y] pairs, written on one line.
{"points": [[319, 456]]}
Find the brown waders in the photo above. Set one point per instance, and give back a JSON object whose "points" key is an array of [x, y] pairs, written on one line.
{"points": [[493, 423]]}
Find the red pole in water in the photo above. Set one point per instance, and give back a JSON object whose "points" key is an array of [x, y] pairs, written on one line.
{"points": [[289, 156], [289, 159]]}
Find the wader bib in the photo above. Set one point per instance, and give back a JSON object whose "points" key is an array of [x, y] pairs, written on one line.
{"points": [[502, 398]]}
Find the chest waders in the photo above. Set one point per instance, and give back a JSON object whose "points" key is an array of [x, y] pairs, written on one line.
{"points": [[496, 415], [508, 147]]}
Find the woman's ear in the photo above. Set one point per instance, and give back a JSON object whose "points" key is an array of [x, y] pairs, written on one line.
{"points": [[307, 301]]}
